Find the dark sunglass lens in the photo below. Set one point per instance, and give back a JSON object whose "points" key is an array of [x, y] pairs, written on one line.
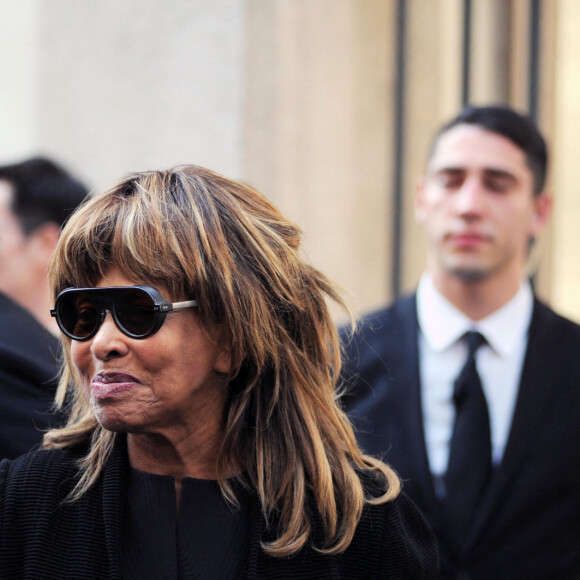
{"points": [[135, 311], [78, 314]]}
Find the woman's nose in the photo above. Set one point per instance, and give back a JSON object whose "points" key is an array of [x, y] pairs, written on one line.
{"points": [[108, 340]]}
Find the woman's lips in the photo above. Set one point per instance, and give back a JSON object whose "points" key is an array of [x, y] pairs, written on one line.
{"points": [[108, 385]]}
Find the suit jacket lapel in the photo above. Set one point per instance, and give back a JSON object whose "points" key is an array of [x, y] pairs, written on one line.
{"points": [[535, 397], [409, 383]]}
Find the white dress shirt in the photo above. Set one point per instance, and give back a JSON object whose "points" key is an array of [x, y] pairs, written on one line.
{"points": [[441, 356]]}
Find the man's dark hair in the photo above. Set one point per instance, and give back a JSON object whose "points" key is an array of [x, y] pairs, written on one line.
{"points": [[43, 192], [519, 129]]}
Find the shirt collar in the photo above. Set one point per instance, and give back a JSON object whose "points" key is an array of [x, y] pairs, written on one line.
{"points": [[442, 323]]}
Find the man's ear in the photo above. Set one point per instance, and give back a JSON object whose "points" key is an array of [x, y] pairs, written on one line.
{"points": [[541, 213], [43, 241], [419, 201]]}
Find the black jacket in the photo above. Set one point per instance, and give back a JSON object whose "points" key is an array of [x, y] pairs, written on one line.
{"points": [[528, 524], [28, 378], [42, 537]]}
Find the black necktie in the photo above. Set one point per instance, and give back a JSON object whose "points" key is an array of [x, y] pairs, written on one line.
{"points": [[469, 465]]}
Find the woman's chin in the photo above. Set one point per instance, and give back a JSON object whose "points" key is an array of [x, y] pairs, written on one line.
{"points": [[115, 421]]}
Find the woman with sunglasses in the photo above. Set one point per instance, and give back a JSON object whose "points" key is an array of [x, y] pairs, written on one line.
{"points": [[204, 437]]}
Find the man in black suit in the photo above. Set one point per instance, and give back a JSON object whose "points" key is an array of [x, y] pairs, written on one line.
{"points": [[487, 443], [36, 196]]}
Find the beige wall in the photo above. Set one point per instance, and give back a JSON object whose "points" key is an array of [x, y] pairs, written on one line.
{"points": [[565, 257], [142, 84], [293, 96], [318, 130], [19, 77]]}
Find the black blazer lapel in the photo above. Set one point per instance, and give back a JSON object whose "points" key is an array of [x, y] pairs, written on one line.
{"points": [[407, 369], [383, 364], [535, 399]]}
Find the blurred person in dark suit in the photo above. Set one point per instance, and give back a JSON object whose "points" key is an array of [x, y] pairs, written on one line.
{"points": [[470, 388], [36, 197]]}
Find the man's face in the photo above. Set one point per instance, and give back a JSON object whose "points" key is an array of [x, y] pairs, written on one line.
{"points": [[477, 205], [15, 247]]}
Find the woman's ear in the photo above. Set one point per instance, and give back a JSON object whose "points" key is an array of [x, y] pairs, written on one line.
{"points": [[223, 361]]}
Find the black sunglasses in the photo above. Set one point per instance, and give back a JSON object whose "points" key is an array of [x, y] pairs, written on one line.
{"points": [[138, 311]]}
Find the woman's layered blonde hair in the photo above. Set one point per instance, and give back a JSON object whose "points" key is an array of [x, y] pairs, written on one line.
{"points": [[203, 236]]}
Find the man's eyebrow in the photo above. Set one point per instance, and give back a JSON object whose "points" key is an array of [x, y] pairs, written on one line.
{"points": [[501, 173], [487, 171], [447, 169]]}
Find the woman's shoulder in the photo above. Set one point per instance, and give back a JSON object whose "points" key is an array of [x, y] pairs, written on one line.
{"points": [[393, 536], [399, 512], [41, 468]]}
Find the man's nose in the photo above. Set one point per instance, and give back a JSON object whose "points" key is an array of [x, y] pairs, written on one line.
{"points": [[470, 199]]}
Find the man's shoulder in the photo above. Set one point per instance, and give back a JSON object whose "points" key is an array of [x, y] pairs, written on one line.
{"points": [[381, 347], [388, 320], [10, 310], [554, 338], [545, 319], [380, 333], [545, 314], [23, 338]]}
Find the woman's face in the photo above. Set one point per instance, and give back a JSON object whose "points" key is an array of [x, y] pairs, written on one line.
{"points": [[171, 383]]}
